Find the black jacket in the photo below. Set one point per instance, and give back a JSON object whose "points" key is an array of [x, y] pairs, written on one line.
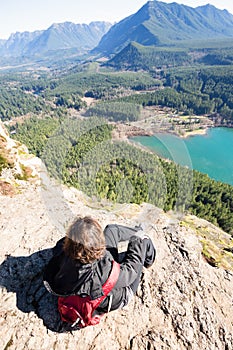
{"points": [[64, 276]]}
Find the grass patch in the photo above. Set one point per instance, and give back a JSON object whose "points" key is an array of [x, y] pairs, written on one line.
{"points": [[26, 173], [4, 162], [217, 245]]}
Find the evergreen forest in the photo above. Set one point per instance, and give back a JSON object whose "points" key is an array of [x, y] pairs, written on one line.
{"points": [[67, 117], [82, 154]]}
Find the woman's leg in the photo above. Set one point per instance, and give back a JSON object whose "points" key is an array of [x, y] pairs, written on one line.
{"points": [[149, 257], [114, 234], [117, 233]]}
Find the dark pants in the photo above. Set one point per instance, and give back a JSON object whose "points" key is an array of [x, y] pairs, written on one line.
{"points": [[115, 234]]}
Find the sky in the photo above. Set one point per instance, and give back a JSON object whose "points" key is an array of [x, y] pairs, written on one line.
{"points": [[31, 15]]}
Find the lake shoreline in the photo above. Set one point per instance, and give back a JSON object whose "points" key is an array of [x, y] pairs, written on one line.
{"points": [[187, 134], [123, 131], [210, 155], [161, 120], [127, 131]]}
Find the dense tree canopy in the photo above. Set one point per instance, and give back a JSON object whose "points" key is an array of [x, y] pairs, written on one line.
{"points": [[205, 91], [83, 155], [116, 111]]}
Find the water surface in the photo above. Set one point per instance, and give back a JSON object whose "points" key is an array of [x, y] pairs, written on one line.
{"points": [[211, 153]]}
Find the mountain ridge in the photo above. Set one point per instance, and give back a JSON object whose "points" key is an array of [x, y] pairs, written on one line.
{"points": [[58, 36], [167, 24], [136, 56], [155, 24]]}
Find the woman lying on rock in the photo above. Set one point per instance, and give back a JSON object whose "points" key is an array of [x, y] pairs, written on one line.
{"points": [[88, 274]]}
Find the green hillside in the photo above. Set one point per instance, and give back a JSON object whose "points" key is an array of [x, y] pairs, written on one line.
{"points": [[136, 57]]}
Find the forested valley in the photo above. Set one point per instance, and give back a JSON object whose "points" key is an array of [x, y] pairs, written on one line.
{"points": [[82, 154], [67, 118]]}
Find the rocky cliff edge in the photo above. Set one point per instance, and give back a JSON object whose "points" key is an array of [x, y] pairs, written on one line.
{"points": [[184, 301]]}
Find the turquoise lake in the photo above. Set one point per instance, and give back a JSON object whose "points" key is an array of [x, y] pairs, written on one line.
{"points": [[211, 154]]}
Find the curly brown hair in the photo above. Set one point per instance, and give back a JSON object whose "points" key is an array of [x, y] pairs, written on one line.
{"points": [[85, 240]]}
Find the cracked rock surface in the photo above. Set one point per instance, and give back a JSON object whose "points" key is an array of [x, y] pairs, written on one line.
{"points": [[182, 302]]}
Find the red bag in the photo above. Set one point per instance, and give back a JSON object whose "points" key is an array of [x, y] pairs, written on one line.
{"points": [[78, 310]]}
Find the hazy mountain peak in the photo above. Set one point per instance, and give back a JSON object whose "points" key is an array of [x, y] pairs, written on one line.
{"points": [[159, 23], [58, 36], [155, 23]]}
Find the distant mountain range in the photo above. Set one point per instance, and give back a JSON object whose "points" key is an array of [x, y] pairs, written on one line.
{"points": [[158, 23], [155, 24], [60, 36]]}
